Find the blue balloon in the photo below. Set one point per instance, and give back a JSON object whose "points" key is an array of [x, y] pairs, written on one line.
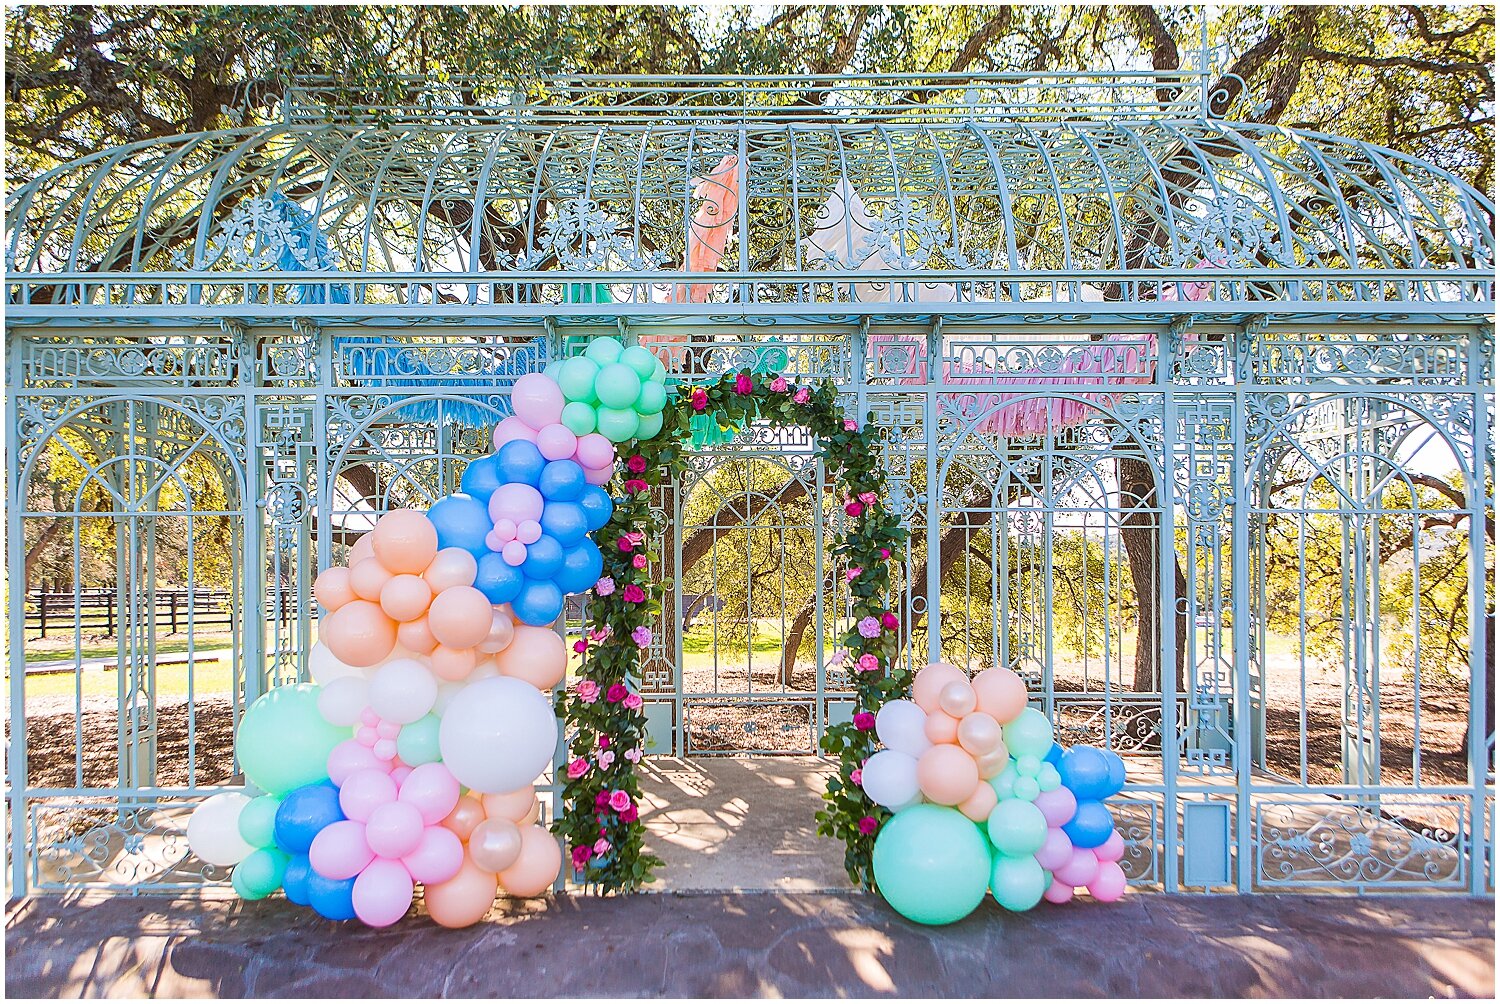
{"points": [[481, 477], [1090, 826], [462, 521], [597, 506], [565, 522], [1054, 755], [331, 898], [581, 567], [1116, 772], [562, 481], [539, 603], [543, 558], [520, 462], [303, 813], [497, 580], [295, 881], [1085, 772]]}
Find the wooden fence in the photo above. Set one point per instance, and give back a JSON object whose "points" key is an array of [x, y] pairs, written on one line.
{"points": [[96, 612]]}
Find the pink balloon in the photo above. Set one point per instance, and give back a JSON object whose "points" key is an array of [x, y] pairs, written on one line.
{"points": [[388, 730], [1109, 884], [400, 774], [453, 566], [1112, 849], [366, 735], [598, 475], [1080, 868], [514, 553], [1058, 893], [340, 851], [347, 758], [382, 893], [1056, 851], [364, 791], [517, 503], [438, 856], [1057, 805], [556, 442], [432, 790], [529, 531], [511, 429], [384, 749], [395, 828], [537, 400], [596, 452], [506, 530]]}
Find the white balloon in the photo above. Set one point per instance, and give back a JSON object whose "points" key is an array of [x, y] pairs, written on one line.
{"points": [[324, 667], [498, 735], [901, 726], [402, 691], [343, 700], [890, 779], [213, 830], [447, 691], [484, 671]]}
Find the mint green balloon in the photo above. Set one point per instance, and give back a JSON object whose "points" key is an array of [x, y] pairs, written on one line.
{"points": [[1026, 789], [283, 743], [931, 864], [618, 424], [1017, 883], [659, 372], [617, 386], [648, 426], [1004, 782], [580, 418], [652, 399], [550, 372], [1017, 827], [1028, 765], [260, 874], [1030, 732], [642, 360], [604, 350], [576, 378], [1048, 778], [418, 742], [258, 821]]}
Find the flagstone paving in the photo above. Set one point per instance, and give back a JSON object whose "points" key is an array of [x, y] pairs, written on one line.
{"points": [[769, 944]]}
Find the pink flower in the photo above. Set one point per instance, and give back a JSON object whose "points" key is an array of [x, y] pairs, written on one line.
{"points": [[632, 701], [630, 815], [743, 384], [838, 657], [869, 628], [636, 463], [601, 799], [639, 561], [867, 825], [581, 857], [885, 553], [868, 663], [633, 594], [778, 385], [854, 508], [625, 544], [857, 776], [864, 721], [580, 646], [888, 621], [641, 636], [587, 691], [577, 769], [619, 800], [601, 846], [850, 425], [599, 634], [700, 399], [605, 759], [868, 498], [634, 756], [605, 586], [802, 395], [616, 693], [604, 742], [851, 574], [635, 486]]}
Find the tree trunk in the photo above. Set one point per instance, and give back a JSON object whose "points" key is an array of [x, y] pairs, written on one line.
{"points": [[794, 642], [1140, 531]]}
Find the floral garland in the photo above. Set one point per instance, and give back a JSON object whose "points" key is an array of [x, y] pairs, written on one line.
{"points": [[601, 820]]}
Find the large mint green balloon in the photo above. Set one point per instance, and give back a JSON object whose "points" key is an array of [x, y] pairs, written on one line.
{"points": [[258, 821], [1016, 827], [604, 350], [648, 426], [260, 874], [1030, 732], [576, 378], [617, 386], [283, 743], [1017, 883], [580, 418], [618, 424], [931, 864], [418, 742], [652, 398], [642, 360]]}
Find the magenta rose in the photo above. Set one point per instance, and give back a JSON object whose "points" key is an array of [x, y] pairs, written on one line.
{"points": [[700, 399], [854, 508], [802, 395], [635, 486], [636, 463], [864, 721], [743, 384], [581, 857], [616, 693], [868, 663], [889, 622], [577, 769], [619, 800], [867, 825], [633, 593]]}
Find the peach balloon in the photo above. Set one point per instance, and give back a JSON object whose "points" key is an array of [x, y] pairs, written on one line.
{"points": [[358, 633], [467, 814], [533, 813], [405, 541], [368, 579], [464, 899], [417, 636], [452, 663], [405, 597], [512, 805], [536, 868], [495, 844], [332, 587], [979, 733], [502, 633], [993, 764], [453, 566], [940, 728], [930, 681], [957, 699], [1001, 693], [537, 655], [361, 549], [947, 775], [460, 617], [979, 805]]}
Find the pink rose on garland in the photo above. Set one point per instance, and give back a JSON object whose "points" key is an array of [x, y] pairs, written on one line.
{"points": [[634, 756], [838, 657], [639, 561], [577, 769], [889, 622], [868, 663], [601, 846], [636, 463], [869, 628], [853, 508], [587, 691], [580, 646], [633, 594], [743, 384], [581, 857], [856, 776], [864, 721], [604, 742], [605, 586], [616, 693], [700, 399], [850, 426], [868, 498], [802, 395], [867, 825], [641, 636], [778, 386], [605, 759], [632, 701], [619, 800], [885, 553], [625, 544], [852, 573], [630, 815], [635, 486]]}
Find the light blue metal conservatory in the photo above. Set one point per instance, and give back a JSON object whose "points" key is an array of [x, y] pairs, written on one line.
{"points": [[1191, 421]]}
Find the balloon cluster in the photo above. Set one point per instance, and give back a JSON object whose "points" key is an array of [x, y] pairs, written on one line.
{"points": [[410, 758], [525, 511], [618, 392], [984, 799]]}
